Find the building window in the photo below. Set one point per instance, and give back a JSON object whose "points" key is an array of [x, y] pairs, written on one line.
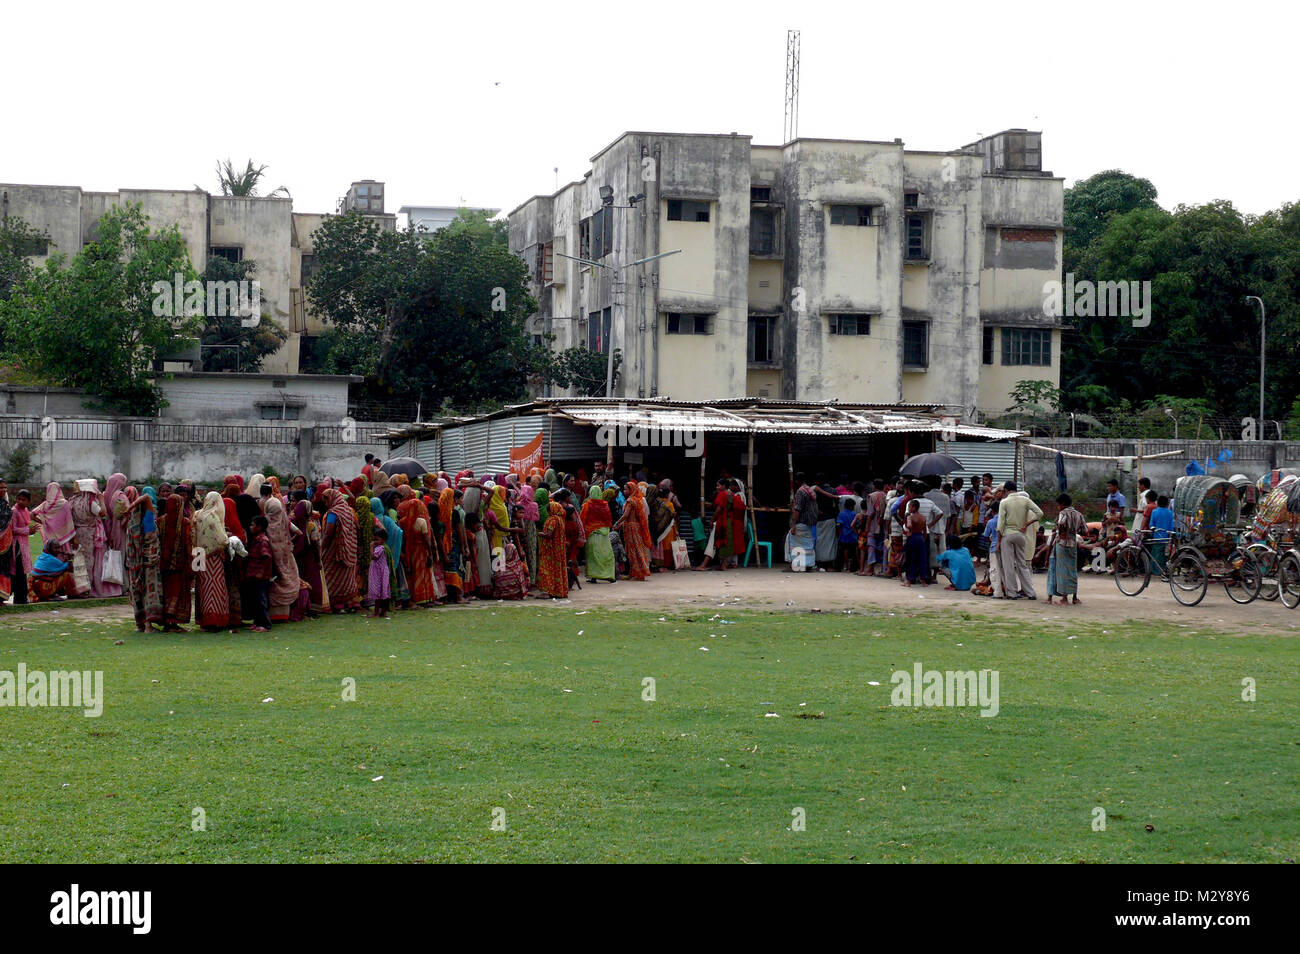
{"points": [[988, 345], [916, 344], [918, 236], [598, 323], [231, 253], [762, 231], [762, 328], [760, 194], [911, 200], [854, 215], [308, 269], [1031, 346], [278, 412], [584, 239], [689, 324], [687, 210], [849, 324]]}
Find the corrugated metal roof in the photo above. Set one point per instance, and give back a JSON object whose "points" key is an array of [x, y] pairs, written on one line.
{"points": [[737, 415]]}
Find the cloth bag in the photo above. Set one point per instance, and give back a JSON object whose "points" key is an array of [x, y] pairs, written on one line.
{"points": [[113, 567], [681, 557], [80, 575]]}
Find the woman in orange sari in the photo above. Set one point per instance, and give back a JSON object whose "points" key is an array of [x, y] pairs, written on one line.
{"points": [[413, 518], [450, 552], [634, 530], [552, 565]]}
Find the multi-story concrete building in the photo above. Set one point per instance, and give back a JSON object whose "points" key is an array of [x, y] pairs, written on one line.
{"points": [[266, 230], [819, 270], [431, 218]]}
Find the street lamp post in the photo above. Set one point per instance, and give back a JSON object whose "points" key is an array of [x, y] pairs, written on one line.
{"points": [[1262, 323]]}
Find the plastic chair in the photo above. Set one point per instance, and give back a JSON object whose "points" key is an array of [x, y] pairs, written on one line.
{"points": [[752, 542]]}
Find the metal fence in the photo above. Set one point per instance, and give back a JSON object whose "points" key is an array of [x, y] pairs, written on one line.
{"points": [[214, 434]]}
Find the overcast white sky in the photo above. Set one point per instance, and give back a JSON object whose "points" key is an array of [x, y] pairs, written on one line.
{"points": [[479, 102]]}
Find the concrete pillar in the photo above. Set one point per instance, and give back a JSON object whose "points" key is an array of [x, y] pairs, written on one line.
{"points": [[306, 436]]}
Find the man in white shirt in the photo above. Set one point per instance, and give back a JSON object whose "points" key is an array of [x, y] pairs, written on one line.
{"points": [[1017, 514]]}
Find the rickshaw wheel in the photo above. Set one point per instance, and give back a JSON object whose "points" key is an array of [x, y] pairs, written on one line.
{"points": [[1188, 577], [1132, 570], [1288, 579], [1243, 582], [1268, 561]]}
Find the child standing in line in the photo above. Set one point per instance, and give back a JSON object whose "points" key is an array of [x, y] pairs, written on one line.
{"points": [[848, 535], [257, 574], [380, 593]]}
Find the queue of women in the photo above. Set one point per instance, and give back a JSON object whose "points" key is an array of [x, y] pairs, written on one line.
{"points": [[270, 554]]}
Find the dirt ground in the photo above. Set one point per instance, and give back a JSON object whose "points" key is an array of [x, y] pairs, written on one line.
{"points": [[776, 590]]}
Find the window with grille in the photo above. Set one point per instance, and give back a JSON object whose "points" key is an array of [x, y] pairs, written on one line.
{"points": [[1027, 346], [231, 253], [760, 194], [762, 231], [854, 215], [988, 345], [918, 236], [849, 324], [598, 323], [760, 344], [679, 324], [687, 210], [916, 344]]}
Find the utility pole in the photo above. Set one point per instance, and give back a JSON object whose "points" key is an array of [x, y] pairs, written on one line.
{"points": [[791, 85]]}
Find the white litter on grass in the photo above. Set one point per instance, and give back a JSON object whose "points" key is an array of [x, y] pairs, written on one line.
{"points": [[392, 657], [268, 699], [873, 683], [1071, 637], [65, 784], [581, 631], [582, 613], [377, 778], [771, 715], [704, 649], [566, 690]]}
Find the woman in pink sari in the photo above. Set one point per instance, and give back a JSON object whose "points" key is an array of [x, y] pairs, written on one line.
{"points": [[288, 604], [114, 526], [53, 518]]}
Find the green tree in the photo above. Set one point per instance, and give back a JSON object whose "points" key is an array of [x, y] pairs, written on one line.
{"points": [[101, 320], [230, 345], [1090, 203], [245, 183], [18, 240], [441, 315]]}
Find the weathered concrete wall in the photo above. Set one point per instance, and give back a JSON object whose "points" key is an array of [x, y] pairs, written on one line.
{"points": [[217, 397], [55, 209]]}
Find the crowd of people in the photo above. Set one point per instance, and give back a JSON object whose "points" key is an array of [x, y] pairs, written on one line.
{"points": [[269, 554], [918, 529]]}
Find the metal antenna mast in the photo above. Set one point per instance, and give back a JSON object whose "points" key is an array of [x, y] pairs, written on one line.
{"points": [[791, 85]]}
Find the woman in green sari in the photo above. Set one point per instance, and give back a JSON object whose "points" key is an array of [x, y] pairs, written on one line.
{"points": [[597, 520]]}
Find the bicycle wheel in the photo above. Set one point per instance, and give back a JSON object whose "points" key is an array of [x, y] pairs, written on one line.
{"points": [[1132, 570], [1268, 560], [1242, 583], [1288, 579], [1188, 578]]}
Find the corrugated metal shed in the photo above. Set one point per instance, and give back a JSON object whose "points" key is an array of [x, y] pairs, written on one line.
{"points": [[980, 457]]}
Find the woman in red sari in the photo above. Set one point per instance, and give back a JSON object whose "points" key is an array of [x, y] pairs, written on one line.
{"points": [[552, 550], [634, 529], [339, 552], [737, 534], [177, 576], [234, 562], [306, 551], [413, 518]]}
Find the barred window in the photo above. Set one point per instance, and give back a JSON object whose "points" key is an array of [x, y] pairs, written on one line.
{"points": [[1027, 346]]}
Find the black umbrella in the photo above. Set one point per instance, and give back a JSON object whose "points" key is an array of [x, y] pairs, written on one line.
{"points": [[403, 465], [929, 465]]}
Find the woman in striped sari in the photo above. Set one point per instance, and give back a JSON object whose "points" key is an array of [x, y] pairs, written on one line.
{"points": [[212, 597], [339, 552]]}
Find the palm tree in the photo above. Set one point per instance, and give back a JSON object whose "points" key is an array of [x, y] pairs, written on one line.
{"points": [[244, 183]]}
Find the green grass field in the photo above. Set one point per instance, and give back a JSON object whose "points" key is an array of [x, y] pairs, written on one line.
{"points": [[465, 711]]}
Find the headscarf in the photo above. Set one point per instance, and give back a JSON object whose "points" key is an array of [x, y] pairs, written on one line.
{"points": [[595, 514], [254, 488], [365, 526], [275, 486], [661, 515], [401, 480], [233, 526], [379, 483], [210, 524], [302, 515], [176, 536], [497, 507], [528, 505], [114, 529], [150, 493], [549, 478], [357, 485], [56, 515], [235, 479], [542, 497]]}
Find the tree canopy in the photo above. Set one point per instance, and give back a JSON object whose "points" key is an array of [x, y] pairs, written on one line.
{"points": [[92, 321]]}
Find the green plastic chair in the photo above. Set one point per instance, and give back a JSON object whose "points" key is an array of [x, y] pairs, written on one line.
{"points": [[752, 542]]}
